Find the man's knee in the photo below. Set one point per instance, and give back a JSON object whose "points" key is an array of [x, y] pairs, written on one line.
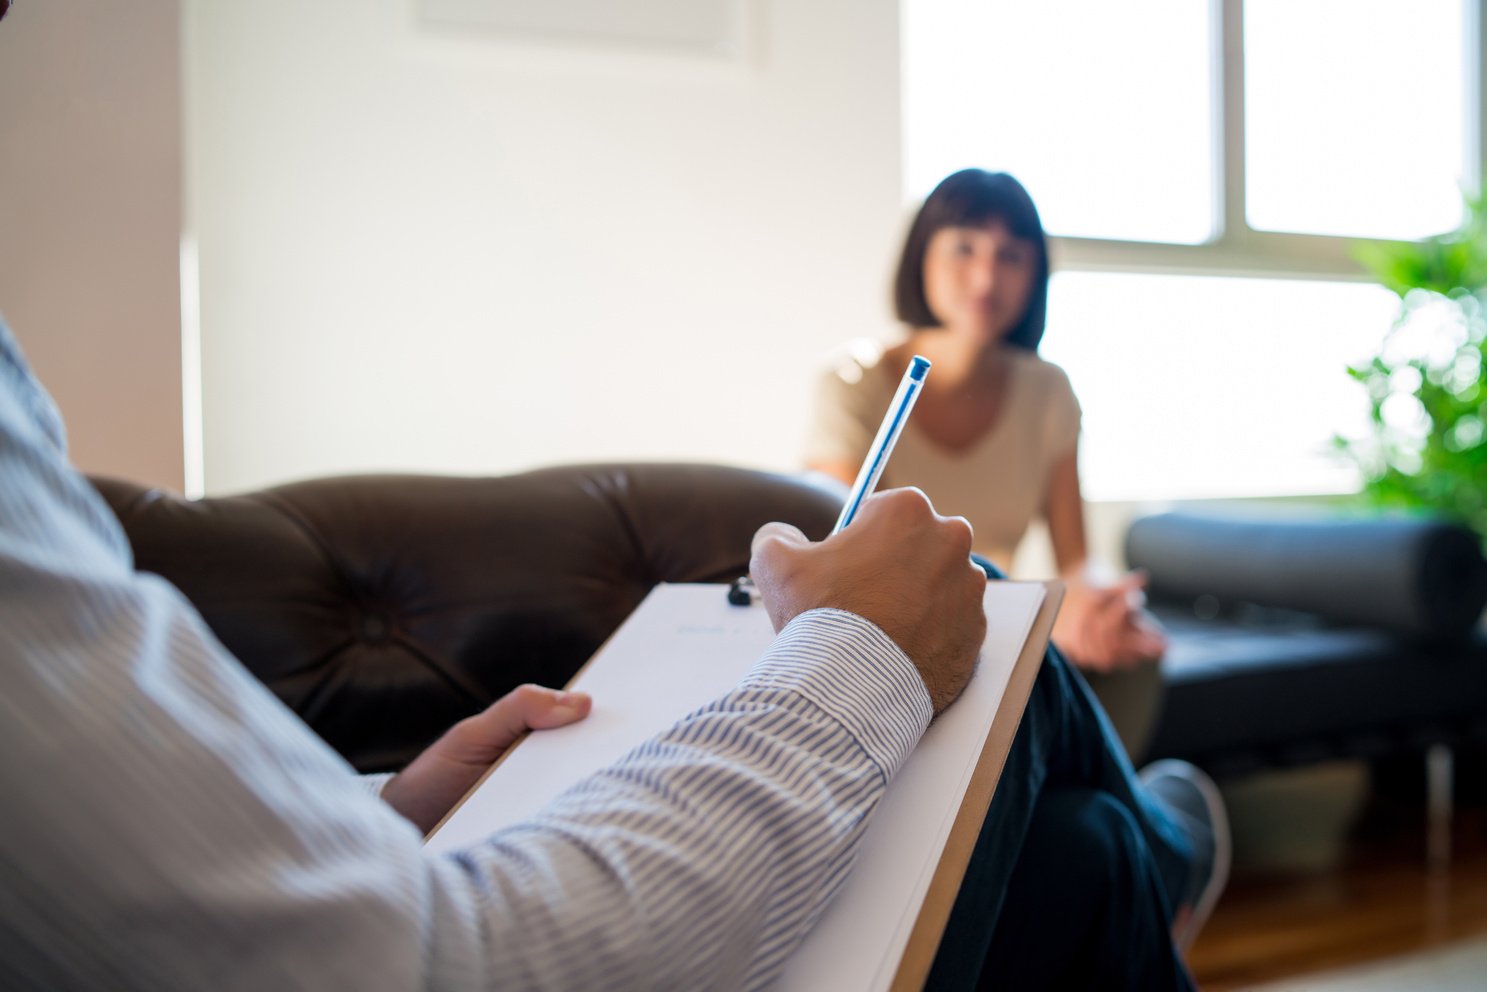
{"points": [[1088, 834]]}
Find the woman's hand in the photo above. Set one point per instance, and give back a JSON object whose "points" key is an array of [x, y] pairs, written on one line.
{"points": [[1106, 628], [429, 787]]}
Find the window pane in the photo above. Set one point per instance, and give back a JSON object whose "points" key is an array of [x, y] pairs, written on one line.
{"points": [[1103, 110], [1354, 116], [1197, 387]]}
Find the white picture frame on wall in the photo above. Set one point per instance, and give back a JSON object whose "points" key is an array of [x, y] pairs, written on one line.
{"points": [[714, 29]]}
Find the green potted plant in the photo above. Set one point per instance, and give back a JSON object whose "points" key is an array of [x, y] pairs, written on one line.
{"points": [[1426, 446]]}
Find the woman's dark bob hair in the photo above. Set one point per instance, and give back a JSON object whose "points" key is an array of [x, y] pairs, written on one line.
{"points": [[972, 198]]}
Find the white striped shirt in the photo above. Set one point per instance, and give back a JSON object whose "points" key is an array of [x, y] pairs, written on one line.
{"points": [[168, 824]]}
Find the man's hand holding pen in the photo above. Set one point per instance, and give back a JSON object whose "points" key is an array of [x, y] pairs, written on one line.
{"points": [[901, 565]]}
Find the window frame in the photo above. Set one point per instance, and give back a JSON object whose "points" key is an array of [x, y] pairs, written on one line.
{"points": [[1236, 249]]}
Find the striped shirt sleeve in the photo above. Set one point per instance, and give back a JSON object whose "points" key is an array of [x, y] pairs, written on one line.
{"points": [[170, 825], [702, 859]]}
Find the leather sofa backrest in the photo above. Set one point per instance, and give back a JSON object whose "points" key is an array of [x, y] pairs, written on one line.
{"points": [[384, 608], [1416, 576]]}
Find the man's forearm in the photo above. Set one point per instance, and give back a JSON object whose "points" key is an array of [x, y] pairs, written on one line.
{"points": [[702, 858]]}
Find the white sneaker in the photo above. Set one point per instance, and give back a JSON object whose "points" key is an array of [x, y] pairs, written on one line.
{"points": [[1194, 801]]}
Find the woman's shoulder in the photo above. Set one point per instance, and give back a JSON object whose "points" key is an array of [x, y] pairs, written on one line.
{"points": [[1046, 376], [859, 364], [1044, 394], [850, 396]]}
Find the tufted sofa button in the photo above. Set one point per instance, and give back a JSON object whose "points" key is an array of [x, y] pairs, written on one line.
{"points": [[375, 629]]}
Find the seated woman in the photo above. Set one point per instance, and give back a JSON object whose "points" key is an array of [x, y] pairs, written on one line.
{"points": [[994, 437]]}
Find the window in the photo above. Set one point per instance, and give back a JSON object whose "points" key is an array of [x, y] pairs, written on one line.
{"points": [[1203, 167], [1350, 103], [1132, 161], [1198, 386]]}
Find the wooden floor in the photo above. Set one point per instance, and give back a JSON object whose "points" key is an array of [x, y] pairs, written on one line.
{"points": [[1380, 901]]}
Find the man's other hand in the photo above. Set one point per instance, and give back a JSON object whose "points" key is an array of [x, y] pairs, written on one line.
{"points": [[902, 566], [437, 779]]}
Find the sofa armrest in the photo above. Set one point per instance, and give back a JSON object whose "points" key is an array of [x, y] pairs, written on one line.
{"points": [[1414, 576]]}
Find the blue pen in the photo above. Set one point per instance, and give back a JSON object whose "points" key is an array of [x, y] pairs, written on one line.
{"points": [[893, 425]]}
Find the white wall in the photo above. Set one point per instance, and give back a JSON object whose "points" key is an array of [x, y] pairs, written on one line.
{"points": [[477, 254], [90, 213]]}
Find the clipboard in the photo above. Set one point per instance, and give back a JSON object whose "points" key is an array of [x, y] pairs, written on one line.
{"points": [[922, 887], [934, 912]]}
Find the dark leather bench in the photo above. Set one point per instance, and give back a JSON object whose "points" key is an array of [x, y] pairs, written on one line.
{"points": [[1261, 688], [1309, 637]]}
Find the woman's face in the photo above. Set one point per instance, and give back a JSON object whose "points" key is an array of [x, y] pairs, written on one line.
{"points": [[978, 280]]}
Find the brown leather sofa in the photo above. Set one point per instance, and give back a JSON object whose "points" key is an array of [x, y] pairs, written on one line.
{"points": [[384, 608]]}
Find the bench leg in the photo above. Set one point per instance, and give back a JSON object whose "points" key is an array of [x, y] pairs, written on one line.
{"points": [[1439, 805]]}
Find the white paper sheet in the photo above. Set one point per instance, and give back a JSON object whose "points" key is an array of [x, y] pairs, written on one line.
{"points": [[690, 640]]}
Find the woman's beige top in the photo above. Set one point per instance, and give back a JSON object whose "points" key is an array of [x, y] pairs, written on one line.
{"points": [[999, 483]]}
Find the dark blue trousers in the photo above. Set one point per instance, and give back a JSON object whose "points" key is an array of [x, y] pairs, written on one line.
{"points": [[1074, 878]]}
